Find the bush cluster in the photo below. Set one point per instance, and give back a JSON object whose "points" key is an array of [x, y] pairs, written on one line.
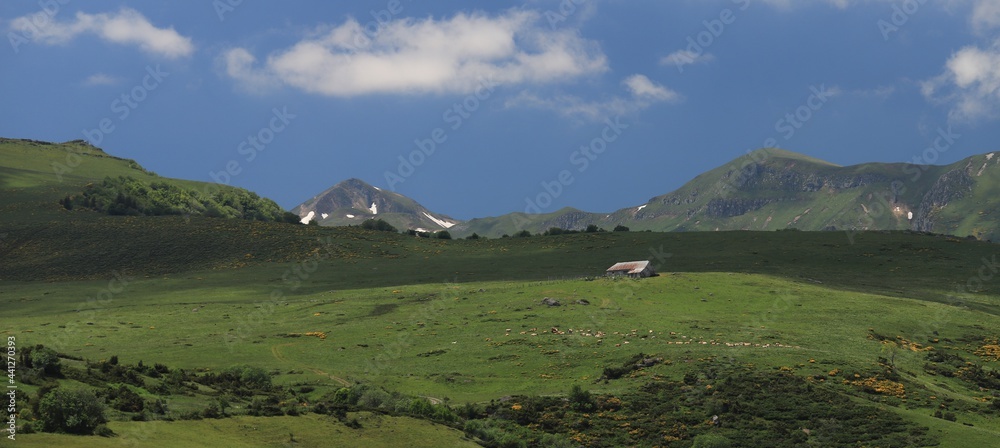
{"points": [[125, 195]]}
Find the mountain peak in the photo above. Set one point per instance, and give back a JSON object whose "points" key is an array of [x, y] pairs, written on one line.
{"points": [[764, 154], [355, 183], [352, 201]]}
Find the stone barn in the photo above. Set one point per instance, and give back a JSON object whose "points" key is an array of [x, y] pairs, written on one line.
{"points": [[634, 269]]}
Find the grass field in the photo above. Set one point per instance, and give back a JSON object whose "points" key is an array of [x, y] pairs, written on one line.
{"points": [[450, 340], [265, 432]]}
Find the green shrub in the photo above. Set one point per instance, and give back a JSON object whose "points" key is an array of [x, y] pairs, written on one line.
{"points": [[265, 407], [250, 378], [378, 224], [553, 231], [46, 360], [373, 398], [125, 195], [420, 407], [75, 411], [212, 411], [103, 431], [580, 399], [125, 399]]}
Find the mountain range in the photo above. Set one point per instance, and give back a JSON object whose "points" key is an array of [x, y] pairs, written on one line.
{"points": [[766, 189]]}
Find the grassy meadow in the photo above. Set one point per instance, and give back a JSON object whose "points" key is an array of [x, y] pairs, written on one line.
{"points": [[456, 339]]}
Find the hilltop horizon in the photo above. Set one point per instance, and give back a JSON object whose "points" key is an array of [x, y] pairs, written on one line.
{"points": [[766, 189]]}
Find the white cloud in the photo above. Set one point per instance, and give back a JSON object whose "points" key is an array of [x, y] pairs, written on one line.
{"points": [[238, 64], [643, 93], [101, 79], [420, 56], [882, 92], [680, 58], [126, 27], [572, 106], [642, 88], [878, 92], [970, 82], [985, 14]]}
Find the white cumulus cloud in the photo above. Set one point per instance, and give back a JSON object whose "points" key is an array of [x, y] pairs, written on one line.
{"points": [[422, 56], [125, 27], [970, 82], [642, 88]]}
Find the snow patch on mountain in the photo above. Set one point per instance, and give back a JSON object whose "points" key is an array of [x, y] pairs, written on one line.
{"points": [[324, 215], [374, 208], [350, 216], [439, 222], [641, 207], [308, 217]]}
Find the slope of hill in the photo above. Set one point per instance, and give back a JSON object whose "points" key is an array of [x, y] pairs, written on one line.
{"points": [[42, 181], [772, 189], [353, 201]]}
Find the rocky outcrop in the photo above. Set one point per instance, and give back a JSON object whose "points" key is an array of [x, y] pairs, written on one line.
{"points": [[757, 177], [727, 208], [950, 187], [571, 220]]}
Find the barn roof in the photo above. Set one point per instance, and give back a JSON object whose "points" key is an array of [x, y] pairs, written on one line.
{"points": [[633, 267]]}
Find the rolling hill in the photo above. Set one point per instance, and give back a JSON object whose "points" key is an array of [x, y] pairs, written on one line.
{"points": [[771, 189], [41, 181]]}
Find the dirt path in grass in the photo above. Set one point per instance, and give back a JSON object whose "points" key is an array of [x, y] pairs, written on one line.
{"points": [[276, 351]]}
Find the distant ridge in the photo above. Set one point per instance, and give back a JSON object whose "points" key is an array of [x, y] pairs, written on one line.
{"points": [[770, 189]]}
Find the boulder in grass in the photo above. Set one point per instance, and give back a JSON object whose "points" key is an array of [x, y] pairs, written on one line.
{"points": [[550, 302]]}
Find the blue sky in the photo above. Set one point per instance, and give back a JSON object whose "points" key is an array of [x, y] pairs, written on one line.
{"points": [[593, 104]]}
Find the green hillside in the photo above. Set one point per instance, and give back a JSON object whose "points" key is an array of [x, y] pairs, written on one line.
{"points": [[430, 318], [39, 178], [771, 189]]}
